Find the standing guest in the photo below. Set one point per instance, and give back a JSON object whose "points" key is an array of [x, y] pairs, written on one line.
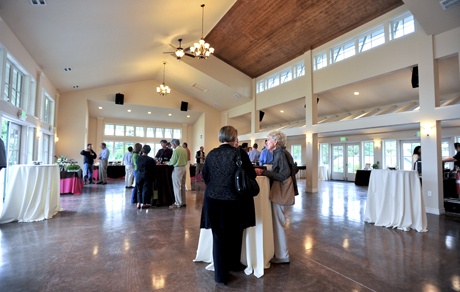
{"points": [[103, 163], [456, 157], [146, 168], [164, 154], [244, 146], [2, 154], [179, 161], [188, 184], [200, 158], [225, 211], [254, 153], [88, 160], [416, 156], [266, 156], [136, 152], [281, 171], [129, 168]]}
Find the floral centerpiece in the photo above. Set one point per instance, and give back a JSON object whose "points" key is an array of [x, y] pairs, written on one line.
{"points": [[66, 164]]}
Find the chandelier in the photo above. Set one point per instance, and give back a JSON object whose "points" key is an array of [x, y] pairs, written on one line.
{"points": [[163, 89], [201, 50]]}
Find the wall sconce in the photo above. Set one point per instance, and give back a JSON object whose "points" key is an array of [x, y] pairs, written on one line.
{"points": [[427, 129], [377, 143], [56, 139], [39, 134], [309, 138]]}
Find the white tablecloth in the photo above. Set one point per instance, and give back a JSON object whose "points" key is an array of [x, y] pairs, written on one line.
{"points": [[394, 199], [258, 246], [32, 193], [323, 172]]}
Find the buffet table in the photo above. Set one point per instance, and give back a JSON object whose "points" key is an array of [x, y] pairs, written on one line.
{"points": [[394, 199], [32, 193], [258, 245], [71, 182], [113, 171], [362, 177]]}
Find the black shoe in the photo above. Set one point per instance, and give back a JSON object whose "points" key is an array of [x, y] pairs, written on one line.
{"points": [[104, 183], [100, 183]]}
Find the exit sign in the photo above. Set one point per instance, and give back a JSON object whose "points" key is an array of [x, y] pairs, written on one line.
{"points": [[343, 139]]}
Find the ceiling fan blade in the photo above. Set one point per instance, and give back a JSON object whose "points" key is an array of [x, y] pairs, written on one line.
{"points": [[172, 46]]}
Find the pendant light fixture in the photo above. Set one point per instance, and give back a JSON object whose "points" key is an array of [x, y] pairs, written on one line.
{"points": [[163, 89], [202, 50]]}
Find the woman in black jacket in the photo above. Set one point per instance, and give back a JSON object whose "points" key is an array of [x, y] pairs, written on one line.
{"points": [[225, 211]]}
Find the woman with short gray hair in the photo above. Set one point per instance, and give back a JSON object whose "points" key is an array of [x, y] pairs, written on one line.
{"points": [[282, 169]]}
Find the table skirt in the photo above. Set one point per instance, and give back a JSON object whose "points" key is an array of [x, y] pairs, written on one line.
{"points": [[394, 199], [257, 246], [32, 193]]}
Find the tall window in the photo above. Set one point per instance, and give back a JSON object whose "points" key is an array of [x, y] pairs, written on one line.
{"points": [[407, 152], [46, 149], [296, 151], [323, 154], [177, 134], [368, 152], [402, 26], [13, 84], [48, 110], [390, 158]]}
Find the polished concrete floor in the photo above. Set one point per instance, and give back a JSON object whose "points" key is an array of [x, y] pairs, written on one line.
{"points": [[103, 243]]}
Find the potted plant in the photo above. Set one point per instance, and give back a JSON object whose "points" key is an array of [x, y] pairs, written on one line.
{"points": [[66, 164], [72, 168], [375, 165]]}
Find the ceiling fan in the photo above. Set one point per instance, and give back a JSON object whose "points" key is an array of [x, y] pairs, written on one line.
{"points": [[180, 52]]}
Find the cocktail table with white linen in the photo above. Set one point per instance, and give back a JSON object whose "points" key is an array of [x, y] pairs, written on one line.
{"points": [[258, 246]]}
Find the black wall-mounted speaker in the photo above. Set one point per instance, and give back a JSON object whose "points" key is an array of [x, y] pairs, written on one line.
{"points": [[184, 106], [119, 98], [261, 116], [414, 79]]}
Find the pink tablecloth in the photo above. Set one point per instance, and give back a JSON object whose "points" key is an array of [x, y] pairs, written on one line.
{"points": [[73, 185]]}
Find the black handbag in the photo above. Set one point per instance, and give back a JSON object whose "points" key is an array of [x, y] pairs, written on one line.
{"points": [[243, 184]]}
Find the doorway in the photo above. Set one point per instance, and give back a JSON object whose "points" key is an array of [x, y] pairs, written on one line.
{"points": [[345, 161]]}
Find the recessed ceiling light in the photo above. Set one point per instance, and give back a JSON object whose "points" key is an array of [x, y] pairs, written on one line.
{"points": [[281, 111], [149, 113], [129, 111], [188, 116], [169, 114], [100, 107], [356, 93]]}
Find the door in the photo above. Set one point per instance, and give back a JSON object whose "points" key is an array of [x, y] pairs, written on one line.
{"points": [[345, 161]]}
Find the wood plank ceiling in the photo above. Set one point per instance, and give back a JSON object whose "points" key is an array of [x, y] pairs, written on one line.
{"points": [[258, 36]]}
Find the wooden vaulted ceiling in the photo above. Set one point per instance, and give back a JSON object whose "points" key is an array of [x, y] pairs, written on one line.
{"points": [[278, 30]]}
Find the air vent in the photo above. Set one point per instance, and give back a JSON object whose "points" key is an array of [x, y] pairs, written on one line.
{"points": [[38, 2], [446, 4]]}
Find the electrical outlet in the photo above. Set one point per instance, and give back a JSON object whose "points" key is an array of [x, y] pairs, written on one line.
{"points": [[429, 193]]}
